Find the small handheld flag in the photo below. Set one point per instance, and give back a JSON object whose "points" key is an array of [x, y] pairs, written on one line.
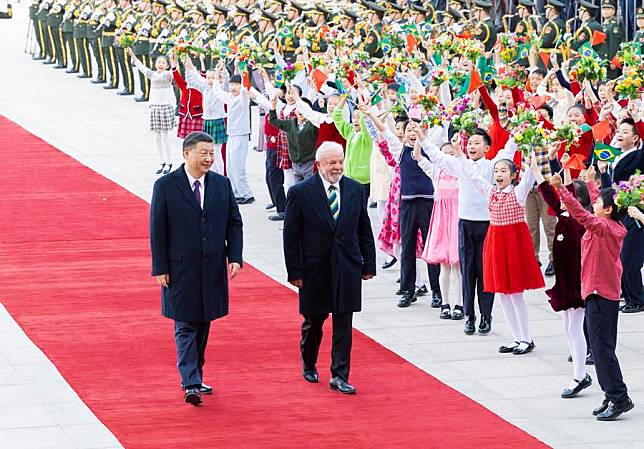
{"points": [[605, 152]]}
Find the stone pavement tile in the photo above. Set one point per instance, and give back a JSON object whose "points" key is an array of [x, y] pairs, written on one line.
{"points": [[38, 373], [503, 367], [8, 375], [17, 416], [70, 413], [23, 355], [35, 438], [91, 436]]}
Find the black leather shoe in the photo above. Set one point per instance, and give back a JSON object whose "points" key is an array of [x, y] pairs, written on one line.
{"points": [[446, 313], [581, 385], [550, 271], [602, 408], [589, 359], [160, 170], [570, 358], [632, 308], [470, 325], [525, 350], [71, 71], [506, 349], [400, 292], [243, 201], [99, 81], [60, 67], [311, 376], [110, 87], [485, 326], [125, 92], [48, 62], [407, 299], [614, 410], [84, 76], [204, 389], [342, 386], [140, 99], [277, 217], [422, 291], [168, 169], [457, 314], [192, 396], [437, 300], [390, 263], [269, 206]]}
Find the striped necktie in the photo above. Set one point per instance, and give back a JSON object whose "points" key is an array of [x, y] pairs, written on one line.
{"points": [[332, 197]]}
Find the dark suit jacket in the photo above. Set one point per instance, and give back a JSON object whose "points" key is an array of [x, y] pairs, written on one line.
{"points": [[329, 257], [194, 246]]}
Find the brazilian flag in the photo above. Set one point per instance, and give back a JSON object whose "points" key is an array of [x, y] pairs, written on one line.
{"points": [[279, 78], [486, 70], [588, 51], [605, 152], [284, 32], [385, 44], [410, 28], [523, 51]]}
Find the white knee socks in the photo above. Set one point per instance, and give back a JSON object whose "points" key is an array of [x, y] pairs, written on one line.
{"points": [[163, 146], [574, 329]]}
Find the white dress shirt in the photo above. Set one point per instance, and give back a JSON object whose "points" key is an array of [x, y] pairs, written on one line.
{"points": [[202, 186], [327, 184]]}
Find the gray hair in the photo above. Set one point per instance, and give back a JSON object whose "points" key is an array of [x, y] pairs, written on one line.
{"points": [[326, 149]]}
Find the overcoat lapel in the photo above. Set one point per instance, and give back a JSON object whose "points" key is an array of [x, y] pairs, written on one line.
{"points": [[347, 198], [319, 198], [211, 191], [182, 183]]}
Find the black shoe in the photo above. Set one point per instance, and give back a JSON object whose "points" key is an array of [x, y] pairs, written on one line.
{"points": [[140, 99], [437, 300], [192, 396], [400, 292], [277, 217], [470, 325], [390, 263], [525, 350], [570, 358], [204, 389], [83, 76], [407, 299], [581, 385], [485, 326], [168, 169], [629, 307], [37, 58], [614, 410], [71, 71], [446, 313], [602, 408], [422, 291], [49, 62], [398, 281], [59, 66], [457, 314], [506, 349], [269, 206], [373, 205], [124, 92], [589, 359], [160, 170], [550, 271], [110, 87], [342, 386], [250, 200], [311, 376], [99, 81]]}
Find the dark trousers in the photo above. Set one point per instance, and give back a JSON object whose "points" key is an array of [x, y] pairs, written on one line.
{"points": [[601, 316], [191, 338], [99, 56], [144, 82], [59, 45], [40, 38], [632, 258], [367, 192], [82, 47], [471, 236], [112, 64], [126, 69], [340, 345], [275, 181], [52, 37], [414, 215], [70, 49]]}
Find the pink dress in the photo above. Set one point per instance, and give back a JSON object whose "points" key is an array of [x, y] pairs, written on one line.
{"points": [[442, 238], [389, 236]]}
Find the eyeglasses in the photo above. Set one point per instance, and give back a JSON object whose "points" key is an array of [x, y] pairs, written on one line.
{"points": [[206, 156]]}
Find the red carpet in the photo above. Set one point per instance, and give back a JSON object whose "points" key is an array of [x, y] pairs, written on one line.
{"points": [[74, 273]]}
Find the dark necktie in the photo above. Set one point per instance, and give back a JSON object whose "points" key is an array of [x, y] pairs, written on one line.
{"points": [[332, 197], [197, 184]]}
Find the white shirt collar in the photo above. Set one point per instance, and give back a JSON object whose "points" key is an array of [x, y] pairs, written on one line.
{"points": [[327, 184], [202, 184]]}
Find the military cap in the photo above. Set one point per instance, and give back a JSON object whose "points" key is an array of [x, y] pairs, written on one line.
{"points": [[162, 3], [454, 13], [481, 4], [219, 9], [419, 7], [609, 4], [555, 4], [296, 6], [373, 6], [268, 15], [178, 6], [588, 6], [241, 11], [458, 3], [199, 9], [349, 14], [639, 13], [393, 5], [526, 3]]}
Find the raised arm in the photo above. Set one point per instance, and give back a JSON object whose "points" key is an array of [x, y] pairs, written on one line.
{"points": [[345, 128], [195, 80], [471, 171]]}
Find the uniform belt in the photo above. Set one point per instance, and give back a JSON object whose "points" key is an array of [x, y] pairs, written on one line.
{"points": [[550, 50], [108, 33], [143, 39]]}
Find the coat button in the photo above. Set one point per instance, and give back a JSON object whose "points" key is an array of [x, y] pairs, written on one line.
{"points": [[205, 239], [205, 259], [203, 219]]}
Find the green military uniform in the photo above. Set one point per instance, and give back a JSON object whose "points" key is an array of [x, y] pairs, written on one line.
{"points": [[54, 19], [288, 40], [553, 30], [38, 32], [160, 31], [67, 29], [371, 33], [125, 25], [486, 33], [46, 47], [143, 28], [108, 46], [585, 32], [82, 15], [614, 38], [94, 36], [639, 34]]}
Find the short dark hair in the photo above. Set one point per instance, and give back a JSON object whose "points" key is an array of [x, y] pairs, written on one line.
{"points": [[193, 139], [236, 79], [541, 72], [548, 109], [608, 200], [393, 86], [307, 101], [483, 133], [298, 88], [630, 122], [582, 194]]}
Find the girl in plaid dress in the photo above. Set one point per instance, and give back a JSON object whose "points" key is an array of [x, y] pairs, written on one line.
{"points": [[190, 103], [162, 104], [511, 266]]}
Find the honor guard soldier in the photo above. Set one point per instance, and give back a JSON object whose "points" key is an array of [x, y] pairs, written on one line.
{"points": [[423, 18], [276, 7], [54, 20], [395, 12], [321, 18], [524, 22], [639, 34], [125, 25], [82, 15], [268, 32], [614, 36], [67, 28], [288, 33], [43, 14], [451, 20], [160, 29], [34, 7], [95, 36], [485, 30], [588, 26], [198, 29], [371, 43], [142, 29], [241, 22], [107, 42], [348, 20], [553, 30]]}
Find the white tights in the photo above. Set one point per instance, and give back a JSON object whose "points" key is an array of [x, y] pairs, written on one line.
{"points": [[163, 146], [451, 276], [574, 329], [515, 311]]}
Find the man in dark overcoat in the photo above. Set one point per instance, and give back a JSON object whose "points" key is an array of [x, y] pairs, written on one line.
{"points": [[329, 250], [196, 238]]}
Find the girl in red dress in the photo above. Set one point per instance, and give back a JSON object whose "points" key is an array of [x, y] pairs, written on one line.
{"points": [[510, 265]]}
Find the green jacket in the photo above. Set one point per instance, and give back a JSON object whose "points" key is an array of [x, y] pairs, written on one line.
{"points": [[301, 142], [357, 157]]}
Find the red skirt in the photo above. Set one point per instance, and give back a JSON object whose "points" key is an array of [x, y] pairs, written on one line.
{"points": [[509, 263], [189, 126]]}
